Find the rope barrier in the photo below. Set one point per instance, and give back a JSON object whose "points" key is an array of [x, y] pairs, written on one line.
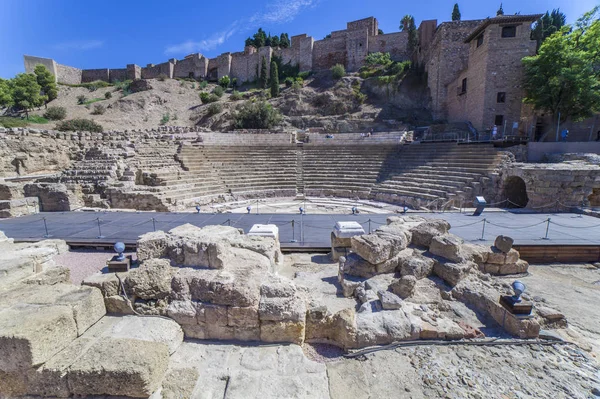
{"points": [[517, 228], [470, 224], [575, 227]]}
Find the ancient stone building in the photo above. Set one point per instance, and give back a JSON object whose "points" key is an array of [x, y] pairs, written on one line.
{"points": [[473, 68]]}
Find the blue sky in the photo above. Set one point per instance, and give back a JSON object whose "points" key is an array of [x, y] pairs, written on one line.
{"points": [[111, 34]]}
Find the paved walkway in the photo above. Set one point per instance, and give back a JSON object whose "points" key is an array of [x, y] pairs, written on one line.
{"points": [[312, 230]]}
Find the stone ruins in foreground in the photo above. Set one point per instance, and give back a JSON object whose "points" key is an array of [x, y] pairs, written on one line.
{"points": [[127, 333]]}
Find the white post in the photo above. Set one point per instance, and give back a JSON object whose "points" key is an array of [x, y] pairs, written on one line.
{"points": [[557, 126]]}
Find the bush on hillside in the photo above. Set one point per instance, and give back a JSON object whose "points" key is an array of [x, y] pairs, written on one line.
{"points": [[81, 125], [99, 109], [256, 115], [214, 108], [107, 95], [55, 113], [203, 85], [224, 82], [81, 99], [378, 58], [218, 91], [235, 96], [338, 71], [162, 77], [305, 75]]}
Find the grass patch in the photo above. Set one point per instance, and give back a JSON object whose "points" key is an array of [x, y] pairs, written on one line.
{"points": [[8, 122], [93, 100], [37, 119], [91, 86]]}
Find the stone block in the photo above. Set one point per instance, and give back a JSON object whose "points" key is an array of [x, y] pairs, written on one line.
{"points": [[246, 317], [447, 246], [381, 246], [183, 312], [416, 265], [389, 301], [404, 287], [276, 331], [117, 304], [152, 280], [32, 334], [108, 283], [282, 309], [453, 273], [347, 230], [423, 233], [355, 265], [119, 367]]}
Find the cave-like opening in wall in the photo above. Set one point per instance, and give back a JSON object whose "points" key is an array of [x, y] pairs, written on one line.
{"points": [[594, 198], [515, 191]]}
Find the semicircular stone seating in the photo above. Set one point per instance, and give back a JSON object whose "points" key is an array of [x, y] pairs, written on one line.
{"points": [[411, 174]]}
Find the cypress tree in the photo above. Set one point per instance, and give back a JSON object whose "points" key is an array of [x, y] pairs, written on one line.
{"points": [[263, 79], [274, 80], [456, 13]]}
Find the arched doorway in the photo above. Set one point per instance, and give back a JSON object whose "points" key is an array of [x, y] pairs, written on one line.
{"points": [[515, 191]]}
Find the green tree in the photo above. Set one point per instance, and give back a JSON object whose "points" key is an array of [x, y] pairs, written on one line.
{"points": [[26, 92], [275, 41], [547, 25], [47, 82], [500, 10], [263, 78], [274, 80], [456, 13], [284, 40], [380, 32], [407, 24], [564, 77], [6, 98]]}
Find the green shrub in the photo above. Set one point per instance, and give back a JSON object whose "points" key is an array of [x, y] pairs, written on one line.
{"points": [[224, 82], [305, 75], [289, 81], [92, 87], [213, 109], [203, 85], [338, 71], [165, 118], [193, 86], [81, 99], [256, 115], [55, 113], [99, 109], [108, 95], [204, 97], [97, 84], [234, 82], [235, 96], [400, 67], [378, 58], [162, 77], [297, 85], [213, 98], [218, 91], [83, 125]]}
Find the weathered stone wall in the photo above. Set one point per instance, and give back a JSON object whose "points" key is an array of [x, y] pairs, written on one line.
{"points": [[153, 71], [393, 43], [134, 72], [306, 53], [444, 59], [192, 66], [91, 75], [369, 24], [328, 52], [245, 67], [31, 62], [118, 74], [536, 152], [357, 48], [67, 74]]}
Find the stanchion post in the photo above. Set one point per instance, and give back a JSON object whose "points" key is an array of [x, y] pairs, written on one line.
{"points": [[483, 230], [99, 229], [547, 229], [153, 224], [46, 229], [229, 222], [293, 231], [369, 226]]}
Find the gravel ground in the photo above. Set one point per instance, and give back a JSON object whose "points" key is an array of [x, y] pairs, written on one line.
{"points": [[322, 353], [84, 262]]}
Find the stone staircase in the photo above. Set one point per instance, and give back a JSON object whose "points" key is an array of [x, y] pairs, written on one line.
{"points": [[300, 171], [97, 166]]}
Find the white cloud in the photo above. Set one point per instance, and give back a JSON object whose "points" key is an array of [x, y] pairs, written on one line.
{"points": [[281, 11], [211, 43], [79, 45]]}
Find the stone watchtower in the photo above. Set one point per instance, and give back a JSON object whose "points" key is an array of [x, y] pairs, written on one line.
{"points": [[489, 91]]}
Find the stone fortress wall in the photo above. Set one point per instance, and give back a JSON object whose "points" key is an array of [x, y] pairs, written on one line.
{"points": [[348, 47]]}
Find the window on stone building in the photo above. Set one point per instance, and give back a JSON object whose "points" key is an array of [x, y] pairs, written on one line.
{"points": [[463, 87], [499, 120], [509, 31], [501, 97], [479, 40]]}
